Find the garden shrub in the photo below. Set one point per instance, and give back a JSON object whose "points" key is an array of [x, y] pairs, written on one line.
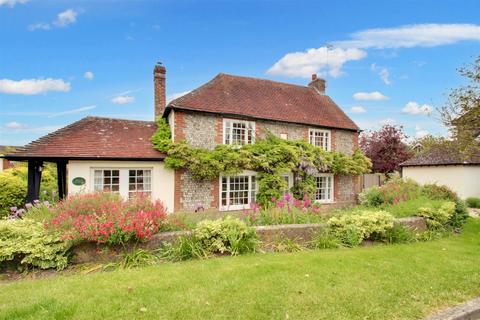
{"points": [[399, 234], [473, 202], [352, 229], [223, 236], [438, 218], [371, 197], [13, 192], [106, 218], [325, 240], [460, 216], [438, 192], [27, 243]]}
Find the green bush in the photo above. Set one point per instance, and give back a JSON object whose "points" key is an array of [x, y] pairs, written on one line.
{"points": [[436, 192], [352, 229], [13, 192], [410, 207], [227, 236], [438, 218], [26, 243], [460, 216], [371, 197], [399, 234], [473, 202]]}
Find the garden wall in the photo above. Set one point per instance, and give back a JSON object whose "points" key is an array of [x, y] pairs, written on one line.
{"points": [[300, 233]]}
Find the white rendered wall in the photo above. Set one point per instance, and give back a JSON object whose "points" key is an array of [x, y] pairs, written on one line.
{"points": [[162, 178], [464, 180]]}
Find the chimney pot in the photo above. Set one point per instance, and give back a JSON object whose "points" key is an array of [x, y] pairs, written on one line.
{"points": [[317, 84], [159, 83]]}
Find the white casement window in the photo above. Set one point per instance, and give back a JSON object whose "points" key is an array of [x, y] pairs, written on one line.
{"points": [[320, 138], [125, 181], [289, 180], [139, 182], [324, 187], [238, 132], [237, 192], [107, 180]]}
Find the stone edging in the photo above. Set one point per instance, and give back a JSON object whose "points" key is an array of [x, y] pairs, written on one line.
{"points": [[268, 235], [469, 310]]}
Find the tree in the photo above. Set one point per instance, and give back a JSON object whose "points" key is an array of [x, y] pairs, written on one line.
{"points": [[461, 112], [385, 148]]}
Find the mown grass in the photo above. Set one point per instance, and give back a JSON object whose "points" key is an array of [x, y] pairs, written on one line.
{"points": [[381, 282]]}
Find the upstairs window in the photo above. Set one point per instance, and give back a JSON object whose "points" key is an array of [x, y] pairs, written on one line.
{"points": [[238, 132], [320, 138]]}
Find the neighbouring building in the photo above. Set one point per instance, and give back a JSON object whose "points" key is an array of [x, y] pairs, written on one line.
{"points": [[445, 167], [4, 163], [116, 155]]}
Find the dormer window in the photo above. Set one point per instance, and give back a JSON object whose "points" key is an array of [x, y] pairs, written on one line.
{"points": [[320, 138], [238, 132]]}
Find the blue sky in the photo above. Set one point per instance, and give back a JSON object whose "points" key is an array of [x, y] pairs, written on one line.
{"points": [[384, 61]]}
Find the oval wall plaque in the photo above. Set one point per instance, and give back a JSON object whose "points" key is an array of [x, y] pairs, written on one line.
{"points": [[78, 181]]}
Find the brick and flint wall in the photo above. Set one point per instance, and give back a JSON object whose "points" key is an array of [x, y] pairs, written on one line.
{"points": [[204, 130]]}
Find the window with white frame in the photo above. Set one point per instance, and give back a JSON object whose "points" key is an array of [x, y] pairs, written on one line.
{"points": [[107, 180], [320, 138], [289, 181], [238, 132], [237, 192], [324, 188], [125, 181], [139, 182]]}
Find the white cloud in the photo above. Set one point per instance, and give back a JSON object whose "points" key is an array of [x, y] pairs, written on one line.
{"points": [[420, 133], [388, 121], [375, 96], [88, 75], [15, 125], [176, 95], [415, 108], [11, 3], [409, 36], [63, 19], [384, 73], [358, 109], [123, 99], [323, 60], [72, 111], [33, 86]]}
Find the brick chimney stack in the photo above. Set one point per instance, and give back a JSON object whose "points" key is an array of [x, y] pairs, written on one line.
{"points": [[159, 83], [317, 84]]}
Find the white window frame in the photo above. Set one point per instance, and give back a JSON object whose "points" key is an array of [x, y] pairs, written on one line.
{"points": [[102, 185], [149, 191], [123, 178], [231, 121], [289, 181], [229, 207], [326, 144], [332, 188]]}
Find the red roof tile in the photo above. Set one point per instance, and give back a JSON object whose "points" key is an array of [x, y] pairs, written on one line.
{"points": [[264, 99], [95, 138]]}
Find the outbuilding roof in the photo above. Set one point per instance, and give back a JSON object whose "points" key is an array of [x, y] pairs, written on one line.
{"points": [[264, 99], [440, 157], [95, 138]]}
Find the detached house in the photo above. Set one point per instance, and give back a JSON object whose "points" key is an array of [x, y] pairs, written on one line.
{"points": [[116, 155]]}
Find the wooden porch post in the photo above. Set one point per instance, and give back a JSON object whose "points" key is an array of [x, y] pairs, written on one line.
{"points": [[34, 178], [62, 178]]}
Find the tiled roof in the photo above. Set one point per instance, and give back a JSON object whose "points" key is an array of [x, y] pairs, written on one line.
{"points": [[441, 156], [95, 138], [264, 99]]}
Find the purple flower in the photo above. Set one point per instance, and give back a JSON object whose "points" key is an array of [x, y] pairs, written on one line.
{"points": [[28, 205], [280, 204], [46, 203], [287, 197], [13, 209]]}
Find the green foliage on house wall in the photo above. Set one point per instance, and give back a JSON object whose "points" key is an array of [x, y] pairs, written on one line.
{"points": [[270, 157]]}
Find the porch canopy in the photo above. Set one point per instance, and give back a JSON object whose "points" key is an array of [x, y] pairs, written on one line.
{"points": [[91, 138]]}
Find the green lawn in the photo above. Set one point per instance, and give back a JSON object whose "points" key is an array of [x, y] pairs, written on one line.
{"points": [[382, 282]]}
